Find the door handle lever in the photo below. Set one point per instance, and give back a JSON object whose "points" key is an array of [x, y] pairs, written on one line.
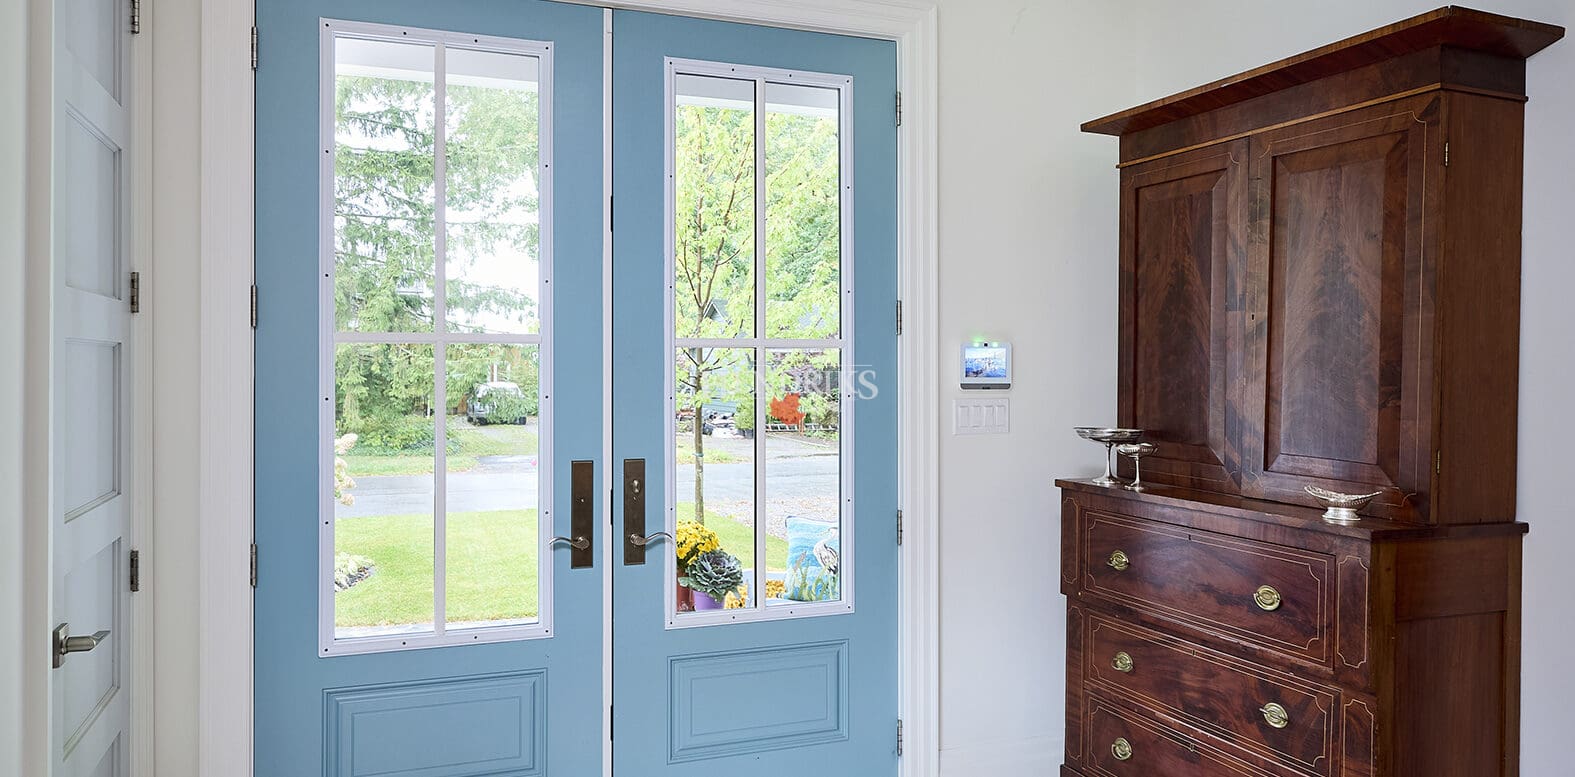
{"points": [[578, 543], [640, 542], [65, 644]]}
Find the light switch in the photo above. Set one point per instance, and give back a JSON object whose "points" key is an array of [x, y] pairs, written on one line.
{"points": [[981, 416]]}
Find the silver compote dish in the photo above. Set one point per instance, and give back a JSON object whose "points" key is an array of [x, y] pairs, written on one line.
{"points": [[1111, 437], [1338, 507]]}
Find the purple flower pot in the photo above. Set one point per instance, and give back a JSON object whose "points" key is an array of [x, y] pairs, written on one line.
{"points": [[703, 601]]}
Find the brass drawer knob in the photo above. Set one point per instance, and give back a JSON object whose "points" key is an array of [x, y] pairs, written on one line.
{"points": [[1122, 662], [1267, 598], [1121, 749], [1119, 561], [1275, 715]]}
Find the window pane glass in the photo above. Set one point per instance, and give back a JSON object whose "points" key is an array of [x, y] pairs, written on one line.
{"points": [[384, 484], [714, 208], [491, 485], [384, 200], [803, 212], [803, 464], [492, 192], [716, 471]]}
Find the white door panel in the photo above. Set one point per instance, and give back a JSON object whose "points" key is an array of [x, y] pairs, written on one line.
{"points": [[90, 386]]}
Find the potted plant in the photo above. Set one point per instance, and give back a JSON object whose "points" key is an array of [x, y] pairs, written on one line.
{"points": [[693, 540], [713, 576]]}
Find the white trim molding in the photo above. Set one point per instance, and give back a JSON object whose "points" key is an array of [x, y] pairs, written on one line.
{"points": [[225, 639], [224, 666]]}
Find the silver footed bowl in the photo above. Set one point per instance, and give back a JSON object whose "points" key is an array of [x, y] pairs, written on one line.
{"points": [[1338, 507], [1108, 434]]}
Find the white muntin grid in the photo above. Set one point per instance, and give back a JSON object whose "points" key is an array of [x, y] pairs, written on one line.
{"points": [[329, 338], [761, 346]]}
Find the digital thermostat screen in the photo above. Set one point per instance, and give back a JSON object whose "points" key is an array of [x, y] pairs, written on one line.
{"points": [[984, 361]]}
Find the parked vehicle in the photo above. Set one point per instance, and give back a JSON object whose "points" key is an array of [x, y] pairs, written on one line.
{"points": [[497, 402]]}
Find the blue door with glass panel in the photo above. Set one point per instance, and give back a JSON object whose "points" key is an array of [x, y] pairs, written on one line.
{"points": [[429, 271], [433, 556], [755, 400]]}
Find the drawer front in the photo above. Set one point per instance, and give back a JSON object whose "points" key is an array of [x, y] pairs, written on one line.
{"points": [[1124, 744], [1270, 715], [1275, 597]]}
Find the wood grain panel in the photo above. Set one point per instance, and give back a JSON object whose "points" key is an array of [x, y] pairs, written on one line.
{"points": [[1216, 693], [1181, 260], [1339, 286], [1210, 580], [1449, 672]]}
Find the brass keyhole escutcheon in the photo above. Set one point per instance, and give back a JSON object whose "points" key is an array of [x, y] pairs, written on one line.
{"points": [[1122, 662], [1275, 715], [1119, 561], [1267, 598], [1121, 749]]}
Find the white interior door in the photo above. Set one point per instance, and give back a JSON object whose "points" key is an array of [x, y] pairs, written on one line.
{"points": [[90, 402]]}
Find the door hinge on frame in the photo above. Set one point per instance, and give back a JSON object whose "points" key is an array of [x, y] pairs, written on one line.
{"points": [[254, 565], [254, 306], [1446, 153], [899, 526], [136, 17], [134, 565], [135, 294], [899, 109], [899, 316], [899, 737], [254, 48]]}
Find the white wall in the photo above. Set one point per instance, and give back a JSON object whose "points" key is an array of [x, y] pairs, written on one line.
{"points": [[13, 189], [1028, 254], [1179, 45]]}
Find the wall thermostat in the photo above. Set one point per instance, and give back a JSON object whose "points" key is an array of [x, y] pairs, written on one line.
{"points": [[987, 366]]}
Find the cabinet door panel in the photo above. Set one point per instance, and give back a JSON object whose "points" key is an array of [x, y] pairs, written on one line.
{"points": [[1182, 258], [1339, 308]]}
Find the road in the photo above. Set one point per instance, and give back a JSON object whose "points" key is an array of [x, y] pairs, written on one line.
{"points": [[509, 482]]}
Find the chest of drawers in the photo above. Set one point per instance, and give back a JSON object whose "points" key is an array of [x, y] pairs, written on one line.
{"points": [[1215, 635]]}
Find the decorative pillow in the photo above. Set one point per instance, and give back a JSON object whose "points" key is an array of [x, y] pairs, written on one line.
{"points": [[812, 575]]}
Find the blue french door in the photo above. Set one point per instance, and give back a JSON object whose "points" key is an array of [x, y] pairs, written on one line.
{"points": [[428, 388], [754, 400]]}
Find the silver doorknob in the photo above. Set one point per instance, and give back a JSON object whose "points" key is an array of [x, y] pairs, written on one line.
{"points": [[578, 543], [640, 542], [65, 644]]}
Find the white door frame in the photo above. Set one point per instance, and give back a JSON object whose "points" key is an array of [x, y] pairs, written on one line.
{"points": [[227, 113], [26, 219]]}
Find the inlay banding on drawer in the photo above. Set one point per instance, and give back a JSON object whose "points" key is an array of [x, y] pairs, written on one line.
{"points": [[1270, 596], [1238, 702]]}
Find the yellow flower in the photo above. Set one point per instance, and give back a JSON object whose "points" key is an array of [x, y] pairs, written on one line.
{"points": [[737, 602], [693, 540]]}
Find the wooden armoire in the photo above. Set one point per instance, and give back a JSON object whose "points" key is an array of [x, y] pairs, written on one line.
{"points": [[1319, 285]]}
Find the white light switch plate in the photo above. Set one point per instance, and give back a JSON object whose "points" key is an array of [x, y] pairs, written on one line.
{"points": [[981, 416]]}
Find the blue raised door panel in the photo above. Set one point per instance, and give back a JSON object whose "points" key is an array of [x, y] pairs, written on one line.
{"points": [[464, 727], [750, 701]]}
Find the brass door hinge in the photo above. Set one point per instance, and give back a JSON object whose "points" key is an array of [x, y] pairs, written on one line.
{"points": [[254, 306], [135, 573], [136, 17], [254, 565], [135, 293]]}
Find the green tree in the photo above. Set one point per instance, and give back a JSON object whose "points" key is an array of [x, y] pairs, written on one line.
{"points": [[714, 248], [385, 234]]}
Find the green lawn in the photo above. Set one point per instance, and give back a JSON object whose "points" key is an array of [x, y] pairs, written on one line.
{"points": [[491, 565], [467, 443], [713, 454], [491, 568]]}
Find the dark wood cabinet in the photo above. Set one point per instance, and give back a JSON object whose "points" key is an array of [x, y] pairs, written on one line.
{"points": [[1340, 307], [1319, 285], [1184, 219]]}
